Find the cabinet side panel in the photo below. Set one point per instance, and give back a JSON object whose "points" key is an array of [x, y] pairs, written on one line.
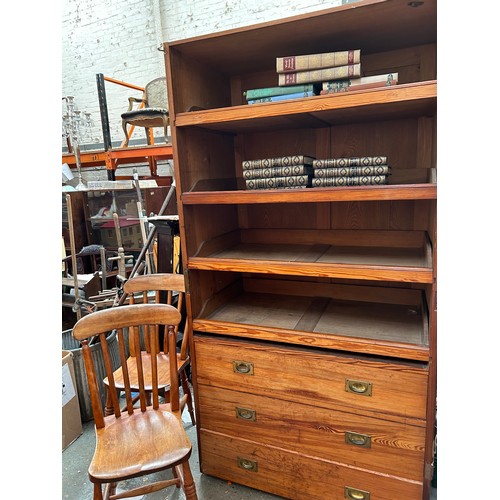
{"points": [[193, 84]]}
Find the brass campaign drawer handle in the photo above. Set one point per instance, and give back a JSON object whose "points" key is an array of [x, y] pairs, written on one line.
{"points": [[246, 414], [246, 464], [243, 367], [361, 440], [358, 387], [354, 494]]}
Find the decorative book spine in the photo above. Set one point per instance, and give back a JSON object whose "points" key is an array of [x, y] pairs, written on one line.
{"points": [[349, 181], [273, 91], [279, 182], [262, 173], [320, 75], [352, 171], [281, 161], [283, 97], [363, 83], [355, 161], [317, 61]]}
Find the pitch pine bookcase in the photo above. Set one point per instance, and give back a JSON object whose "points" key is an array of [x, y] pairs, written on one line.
{"points": [[313, 310]]}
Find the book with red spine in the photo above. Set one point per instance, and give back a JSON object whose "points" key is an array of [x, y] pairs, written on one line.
{"points": [[320, 75], [291, 64]]}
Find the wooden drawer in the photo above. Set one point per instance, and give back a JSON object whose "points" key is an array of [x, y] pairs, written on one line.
{"points": [[387, 447], [314, 377], [296, 476]]}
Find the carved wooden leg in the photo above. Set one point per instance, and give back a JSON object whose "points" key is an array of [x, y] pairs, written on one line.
{"points": [[124, 126], [187, 392]]}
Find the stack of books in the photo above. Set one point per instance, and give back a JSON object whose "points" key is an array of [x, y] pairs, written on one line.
{"points": [[283, 172], [314, 74], [310, 68], [273, 94], [352, 171]]}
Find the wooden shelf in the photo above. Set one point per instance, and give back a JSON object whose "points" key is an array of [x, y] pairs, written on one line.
{"points": [[399, 101], [370, 255], [371, 320], [314, 195]]}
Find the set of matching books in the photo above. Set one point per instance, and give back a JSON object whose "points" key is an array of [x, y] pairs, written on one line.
{"points": [[310, 68], [302, 171], [352, 171], [288, 172]]}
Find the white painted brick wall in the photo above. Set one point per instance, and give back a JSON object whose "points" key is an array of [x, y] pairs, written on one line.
{"points": [[119, 38]]}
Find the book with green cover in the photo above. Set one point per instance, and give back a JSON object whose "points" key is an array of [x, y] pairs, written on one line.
{"points": [[284, 97], [320, 75], [316, 61], [280, 161], [275, 91]]}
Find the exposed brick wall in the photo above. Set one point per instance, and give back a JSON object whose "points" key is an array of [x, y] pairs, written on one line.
{"points": [[119, 38]]}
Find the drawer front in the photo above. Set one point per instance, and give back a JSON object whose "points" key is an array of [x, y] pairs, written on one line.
{"points": [[314, 377], [387, 447], [294, 476]]}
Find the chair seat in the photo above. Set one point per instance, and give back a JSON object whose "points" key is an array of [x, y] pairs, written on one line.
{"points": [[138, 444], [163, 371], [146, 117]]}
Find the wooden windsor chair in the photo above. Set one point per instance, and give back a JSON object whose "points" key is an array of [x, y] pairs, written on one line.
{"points": [[142, 440], [169, 288]]}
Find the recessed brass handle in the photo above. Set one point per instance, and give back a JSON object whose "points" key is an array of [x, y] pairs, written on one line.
{"points": [[246, 414], [246, 464], [358, 387], [354, 494], [361, 440], [243, 367]]}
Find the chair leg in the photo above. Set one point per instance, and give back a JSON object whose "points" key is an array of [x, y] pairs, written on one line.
{"points": [[188, 482], [187, 391], [124, 126], [97, 492]]}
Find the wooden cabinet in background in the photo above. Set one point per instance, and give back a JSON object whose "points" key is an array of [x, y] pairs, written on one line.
{"points": [[314, 310]]}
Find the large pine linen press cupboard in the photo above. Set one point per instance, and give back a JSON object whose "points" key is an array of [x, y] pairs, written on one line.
{"points": [[313, 310]]}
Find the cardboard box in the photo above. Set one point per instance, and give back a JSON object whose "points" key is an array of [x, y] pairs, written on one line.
{"points": [[71, 419]]}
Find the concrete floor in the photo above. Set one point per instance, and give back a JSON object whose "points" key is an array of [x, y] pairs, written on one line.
{"points": [[76, 485]]}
